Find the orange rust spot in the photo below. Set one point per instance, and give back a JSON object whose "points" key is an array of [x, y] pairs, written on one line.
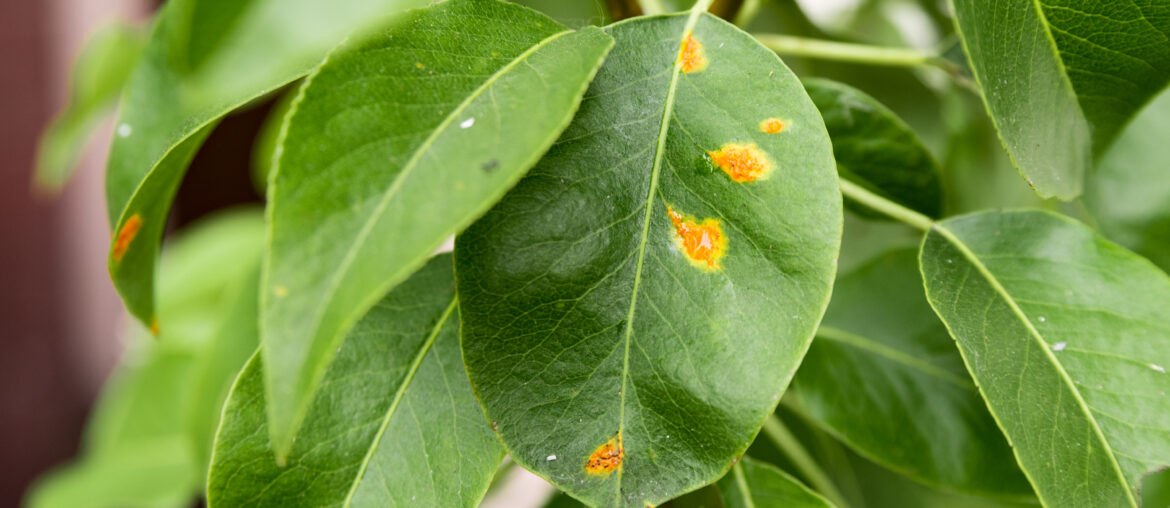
{"points": [[772, 126], [690, 55], [607, 457], [702, 244], [126, 235], [154, 326], [743, 163]]}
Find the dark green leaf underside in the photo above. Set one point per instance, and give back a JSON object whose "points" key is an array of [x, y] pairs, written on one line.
{"points": [[583, 319], [877, 150], [395, 422], [884, 376]]}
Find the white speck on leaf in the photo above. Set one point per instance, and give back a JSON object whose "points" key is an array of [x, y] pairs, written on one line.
{"points": [[1059, 346], [1158, 368], [551, 458], [1042, 319], [125, 130], [467, 123]]}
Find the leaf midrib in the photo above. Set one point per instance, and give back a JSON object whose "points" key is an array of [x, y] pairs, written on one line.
{"points": [[395, 186], [656, 169], [1043, 345], [398, 394]]}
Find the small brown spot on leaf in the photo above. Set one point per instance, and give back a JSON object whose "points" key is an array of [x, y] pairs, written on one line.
{"points": [[691, 56], [702, 244], [154, 326], [126, 235], [606, 458], [772, 126], [743, 163]]}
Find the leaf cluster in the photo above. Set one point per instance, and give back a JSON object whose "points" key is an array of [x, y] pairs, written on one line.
{"points": [[684, 271]]}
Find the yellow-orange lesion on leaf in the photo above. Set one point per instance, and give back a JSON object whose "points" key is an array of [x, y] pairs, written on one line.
{"points": [[125, 236], [154, 326], [772, 126], [691, 57], [702, 243], [606, 458], [743, 163]]}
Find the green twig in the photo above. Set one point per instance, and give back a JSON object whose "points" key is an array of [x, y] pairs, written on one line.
{"points": [[652, 7], [883, 205], [849, 52], [804, 463], [747, 13]]}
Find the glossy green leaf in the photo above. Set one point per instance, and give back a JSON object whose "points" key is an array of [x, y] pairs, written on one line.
{"points": [[395, 422], [884, 377], [393, 146], [99, 74], [204, 59], [755, 484], [1061, 77], [589, 325], [149, 438], [1066, 335], [1129, 193], [877, 150]]}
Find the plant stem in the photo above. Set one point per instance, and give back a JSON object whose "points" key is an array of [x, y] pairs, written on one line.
{"points": [[787, 443], [883, 205], [652, 7], [848, 52], [747, 13]]}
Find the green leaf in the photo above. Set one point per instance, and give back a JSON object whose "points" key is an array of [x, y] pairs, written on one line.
{"points": [[204, 59], [1061, 77], [149, 438], [1129, 193], [1066, 336], [877, 150], [99, 74], [754, 484], [393, 146], [919, 413], [394, 423], [592, 325]]}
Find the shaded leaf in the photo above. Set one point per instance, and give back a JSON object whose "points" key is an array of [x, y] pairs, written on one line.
{"points": [[1129, 193], [394, 423], [1065, 334], [393, 146], [755, 484], [99, 73], [204, 59], [877, 150], [1061, 77], [919, 412], [631, 309], [149, 437]]}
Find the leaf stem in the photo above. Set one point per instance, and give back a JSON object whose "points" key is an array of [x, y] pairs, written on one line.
{"points": [[883, 205], [787, 443], [747, 13], [652, 7], [849, 52]]}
